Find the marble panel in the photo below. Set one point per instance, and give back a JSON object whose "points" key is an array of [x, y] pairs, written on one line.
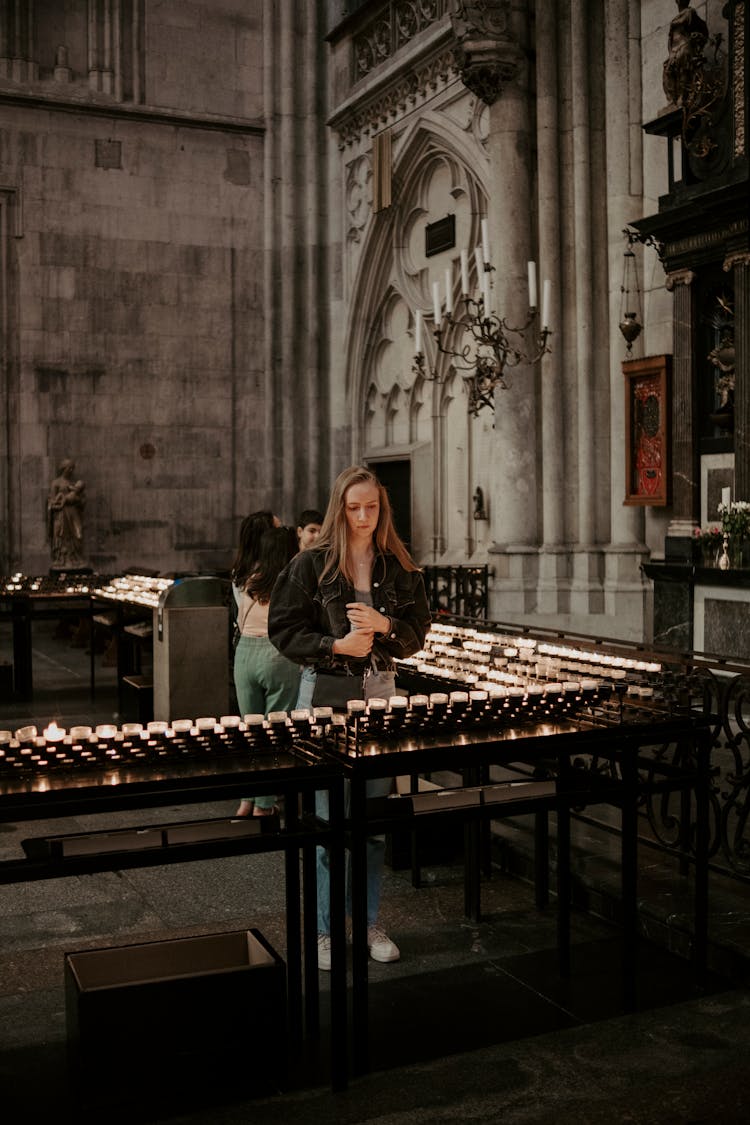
{"points": [[722, 621], [673, 618]]}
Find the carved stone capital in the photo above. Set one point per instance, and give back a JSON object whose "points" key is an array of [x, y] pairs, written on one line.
{"points": [[680, 277], [487, 55], [737, 258]]}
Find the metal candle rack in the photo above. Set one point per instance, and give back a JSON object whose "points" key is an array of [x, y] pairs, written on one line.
{"points": [[460, 710], [27, 750]]}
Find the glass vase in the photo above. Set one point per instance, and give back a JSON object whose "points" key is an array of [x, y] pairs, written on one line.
{"points": [[708, 554], [736, 553]]}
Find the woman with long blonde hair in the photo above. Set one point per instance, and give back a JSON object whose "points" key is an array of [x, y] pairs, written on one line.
{"points": [[349, 606]]}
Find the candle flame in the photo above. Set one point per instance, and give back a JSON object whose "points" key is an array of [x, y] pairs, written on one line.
{"points": [[53, 733]]}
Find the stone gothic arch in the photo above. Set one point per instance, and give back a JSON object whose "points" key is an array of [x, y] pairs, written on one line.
{"points": [[393, 410]]}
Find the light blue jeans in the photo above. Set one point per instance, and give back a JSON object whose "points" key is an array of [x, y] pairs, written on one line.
{"points": [[264, 681], [377, 787]]}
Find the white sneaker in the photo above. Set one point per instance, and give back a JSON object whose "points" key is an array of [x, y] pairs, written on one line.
{"points": [[324, 952], [379, 944]]}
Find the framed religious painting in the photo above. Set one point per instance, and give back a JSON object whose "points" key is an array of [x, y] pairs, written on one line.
{"points": [[648, 469]]}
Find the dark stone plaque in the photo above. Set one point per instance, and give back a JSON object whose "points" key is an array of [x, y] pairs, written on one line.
{"points": [[440, 235]]}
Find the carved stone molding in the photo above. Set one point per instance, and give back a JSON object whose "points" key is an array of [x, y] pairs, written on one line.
{"points": [[401, 97], [487, 55], [358, 195], [738, 79], [680, 277], [392, 27]]}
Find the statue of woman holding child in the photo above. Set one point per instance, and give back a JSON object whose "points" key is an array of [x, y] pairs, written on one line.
{"points": [[65, 504]]}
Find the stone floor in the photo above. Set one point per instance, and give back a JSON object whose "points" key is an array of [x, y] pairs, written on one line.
{"points": [[472, 1025]]}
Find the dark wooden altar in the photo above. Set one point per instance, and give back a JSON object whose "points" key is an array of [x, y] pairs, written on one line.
{"points": [[701, 234]]}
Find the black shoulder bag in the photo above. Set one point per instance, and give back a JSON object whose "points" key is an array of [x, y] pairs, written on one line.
{"points": [[335, 689]]}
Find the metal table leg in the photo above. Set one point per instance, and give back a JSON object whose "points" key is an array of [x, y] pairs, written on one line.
{"points": [[358, 860], [337, 878], [629, 872], [293, 932], [702, 834]]}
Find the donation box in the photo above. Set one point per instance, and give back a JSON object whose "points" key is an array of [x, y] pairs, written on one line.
{"points": [[191, 653], [180, 1009]]}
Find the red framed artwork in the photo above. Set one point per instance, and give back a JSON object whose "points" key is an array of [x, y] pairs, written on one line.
{"points": [[647, 430]]}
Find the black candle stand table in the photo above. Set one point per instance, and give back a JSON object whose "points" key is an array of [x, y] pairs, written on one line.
{"points": [[290, 772], [620, 773], [42, 599], [130, 625]]}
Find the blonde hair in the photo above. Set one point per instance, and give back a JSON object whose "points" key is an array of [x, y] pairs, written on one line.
{"points": [[334, 534]]}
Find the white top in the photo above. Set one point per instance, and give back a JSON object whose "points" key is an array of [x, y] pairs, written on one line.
{"points": [[252, 617]]}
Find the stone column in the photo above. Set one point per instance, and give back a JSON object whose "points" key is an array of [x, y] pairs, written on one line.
{"points": [[553, 469], [107, 68], [624, 203], [104, 46], [10, 392], [583, 256], [493, 55], [17, 41], [739, 264], [585, 595], [94, 70], [625, 592], [685, 483], [117, 50], [509, 214], [296, 299], [136, 53], [553, 573], [492, 51]]}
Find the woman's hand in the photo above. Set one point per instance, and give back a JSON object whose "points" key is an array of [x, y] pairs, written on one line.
{"points": [[357, 643], [364, 616]]}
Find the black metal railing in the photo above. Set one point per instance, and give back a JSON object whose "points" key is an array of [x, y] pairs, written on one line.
{"points": [[457, 590], [706, 685]]}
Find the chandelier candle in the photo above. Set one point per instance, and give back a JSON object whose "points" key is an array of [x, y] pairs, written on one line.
{"points": [[486, 241], [465, 273], [532, 285], [546, 299]]}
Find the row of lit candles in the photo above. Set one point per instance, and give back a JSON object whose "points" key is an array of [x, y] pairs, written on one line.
{"points": [[603, 663], [136, 588], [445, 667], [206, 726], [526, 647], [16, 585], [444, 660], [487, 699], [107, 732]]}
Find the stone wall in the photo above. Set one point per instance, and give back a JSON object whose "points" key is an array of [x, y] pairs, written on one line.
{"points": [[133, 291]]}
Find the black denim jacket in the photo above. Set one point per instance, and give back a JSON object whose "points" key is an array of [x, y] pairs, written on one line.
{"points": [[305, 616]]}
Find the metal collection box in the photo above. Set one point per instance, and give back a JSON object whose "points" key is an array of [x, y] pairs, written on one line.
{"points": [[191, 664]]}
